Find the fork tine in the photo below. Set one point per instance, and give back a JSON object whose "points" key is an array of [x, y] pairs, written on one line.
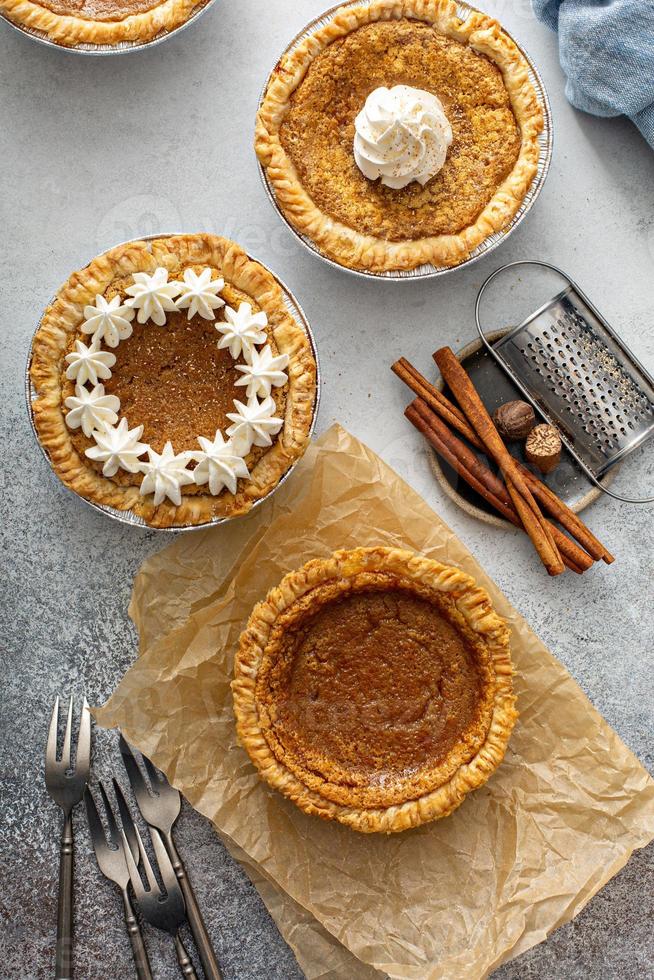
{"points": [[154, 774], [149, 873], [166, 869], [51, 748], [95, 824], [114, 836], [135, 775], [65, 754], [83, 753], [126, 819], [134, 875]]}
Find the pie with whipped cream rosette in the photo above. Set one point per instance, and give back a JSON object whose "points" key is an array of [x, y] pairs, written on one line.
{"points": [[171, 380], [397, 134]]}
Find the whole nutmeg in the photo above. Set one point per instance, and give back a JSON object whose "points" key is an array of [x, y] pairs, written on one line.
{"points": [[514, 420], [543, 447]]}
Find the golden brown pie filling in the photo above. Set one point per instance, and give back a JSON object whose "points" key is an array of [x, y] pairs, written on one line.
{"points": [[175, 381], [71, 23], [318, 130], [100, 10], [374, 688]]}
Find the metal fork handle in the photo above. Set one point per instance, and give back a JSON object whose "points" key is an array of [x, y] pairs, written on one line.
{"points": [[193, 914], [184, 960], [140, 953], [64, 954]]}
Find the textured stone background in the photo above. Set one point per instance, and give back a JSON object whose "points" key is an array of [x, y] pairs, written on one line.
{"points": [[97, 150]]}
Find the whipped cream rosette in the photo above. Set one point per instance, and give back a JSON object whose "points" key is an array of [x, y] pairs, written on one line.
{"points": [[89, 364], [92, 410], [401, 134]]}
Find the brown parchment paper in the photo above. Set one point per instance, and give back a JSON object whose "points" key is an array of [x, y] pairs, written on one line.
{"points": [[319, 954], [453, 899]]}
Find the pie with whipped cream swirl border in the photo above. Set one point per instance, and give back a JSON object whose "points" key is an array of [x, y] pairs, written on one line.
{"points": [[307, 155], [172, 381], [375, 688]]}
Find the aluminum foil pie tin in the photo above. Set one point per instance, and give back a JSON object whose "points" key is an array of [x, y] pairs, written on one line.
{"points": [[428, 271], [122, 47], [127, 516]]}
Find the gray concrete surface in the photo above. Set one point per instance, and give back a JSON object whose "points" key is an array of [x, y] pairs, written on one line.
{"points": [[95, 151]]}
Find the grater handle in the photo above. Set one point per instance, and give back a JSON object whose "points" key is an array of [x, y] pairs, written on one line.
{"points": [[617, 496], [513, 265], [491, 350]]}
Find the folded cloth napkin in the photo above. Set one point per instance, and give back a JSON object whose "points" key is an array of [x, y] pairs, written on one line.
{"points": [[606, 48]]}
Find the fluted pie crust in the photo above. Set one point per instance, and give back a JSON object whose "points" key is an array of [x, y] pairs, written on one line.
{"points": [[100, 22], [338, 234], [246, 280], [375, 688]]}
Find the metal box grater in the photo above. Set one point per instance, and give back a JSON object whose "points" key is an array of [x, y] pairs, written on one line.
{"points": [[572, 366]]}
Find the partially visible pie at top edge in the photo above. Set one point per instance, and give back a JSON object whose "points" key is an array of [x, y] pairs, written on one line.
{"points": [[104, 22], [172, 381], [314, 111]]}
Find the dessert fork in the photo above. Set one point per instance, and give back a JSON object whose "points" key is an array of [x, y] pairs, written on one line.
{"points": [[160, 808], [113, 866], [163, 910], [66, 786]]}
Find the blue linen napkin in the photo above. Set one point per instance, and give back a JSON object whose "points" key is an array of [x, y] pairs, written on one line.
{"points": [[606, 49]]}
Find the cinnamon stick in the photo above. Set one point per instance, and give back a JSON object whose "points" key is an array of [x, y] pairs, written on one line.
{"points": [[482, 479], [449, 412], [566, 517], [435, 399], [479, 419]]}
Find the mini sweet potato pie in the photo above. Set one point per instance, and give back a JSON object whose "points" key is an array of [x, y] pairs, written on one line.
{"points": [[375, 688], [100, 22], [172, 381], [397, 133]]}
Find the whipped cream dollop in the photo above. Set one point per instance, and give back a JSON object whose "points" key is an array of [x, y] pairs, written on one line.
{"points": [[401, 134], [253, 424], [220, 464], [91, 409], [242, 329], [153, 296], [165, 474], [118, 448], [199, 294], [262, 371], [89, 363], [109, 321]]}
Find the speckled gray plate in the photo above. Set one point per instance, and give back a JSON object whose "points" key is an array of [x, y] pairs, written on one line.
{"points": [[429, 271], [127, 516], [122, 47], [495, 387]]}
